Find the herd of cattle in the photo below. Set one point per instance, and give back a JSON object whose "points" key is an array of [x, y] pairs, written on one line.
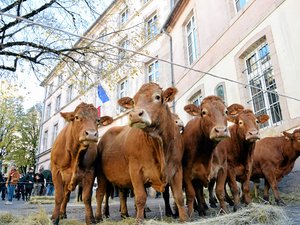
{"points": [[156, 150]]}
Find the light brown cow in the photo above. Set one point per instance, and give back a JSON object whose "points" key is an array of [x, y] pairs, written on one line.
{"points": [[233, 157], [72, 158], [274, 157], [200, 136], [145, 153]]}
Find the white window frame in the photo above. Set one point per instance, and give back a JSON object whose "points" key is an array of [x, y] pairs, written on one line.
{"points": [[122, 92], [58, 103], [240, 4], [153, 71], [48, 111], [50, 89], [45, 140], [70, 93], [125, 45], [124, 16], [224, 91], [54, 132], [259, 71], [197, 98], [151, 27], [191, 40]]}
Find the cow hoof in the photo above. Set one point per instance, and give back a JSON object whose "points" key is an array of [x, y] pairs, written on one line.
{"points": [[213, 205], [237, 207], [55, 221], [280, 202], [63, 216], [124, 216], [98, 219]]}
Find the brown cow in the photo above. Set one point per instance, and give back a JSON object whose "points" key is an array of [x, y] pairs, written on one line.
{"points": [[145, 153], [274, 157], [235, 154], [72, 158], [200, 136]]}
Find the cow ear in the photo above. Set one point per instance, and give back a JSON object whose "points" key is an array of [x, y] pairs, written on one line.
{"points": [[232, 118], [126, 102], [105, 120], [192, 110], [287, 135], [263, 118], [235, 109], [68, 116], [169, 94]]}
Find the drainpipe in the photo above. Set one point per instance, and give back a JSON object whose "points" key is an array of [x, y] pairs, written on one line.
{"points": [[172, 66]]}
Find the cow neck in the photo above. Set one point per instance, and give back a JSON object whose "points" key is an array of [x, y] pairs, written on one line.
{"points": [[243, 148], [205, 144]]}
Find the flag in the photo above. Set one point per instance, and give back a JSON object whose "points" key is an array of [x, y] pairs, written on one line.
{"points": [[99, 111], [102, 94]]}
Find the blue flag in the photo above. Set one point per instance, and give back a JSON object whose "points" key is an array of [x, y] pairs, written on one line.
{"points": [[102, 94]]}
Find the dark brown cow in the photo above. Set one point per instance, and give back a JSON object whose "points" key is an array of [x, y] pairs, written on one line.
{"points": [[146, 153], [235, 155], [274, 157], [72, 158], [200, 136]]}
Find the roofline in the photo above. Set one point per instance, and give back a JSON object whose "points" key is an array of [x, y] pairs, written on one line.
{"points": [[174, 14], [42, 84]]}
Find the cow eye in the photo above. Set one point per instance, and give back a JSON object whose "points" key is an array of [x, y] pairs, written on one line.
{"points": [[226, 112], [157, 97], [77, 118], [204, 112], [98, 121], [241, 122], [257, 121]]}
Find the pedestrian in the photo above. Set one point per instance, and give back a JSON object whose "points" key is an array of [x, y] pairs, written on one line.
{"points": [[20, 190], [49, 184], [39, 182], [29, 181], [13, 177], [2, 186]]}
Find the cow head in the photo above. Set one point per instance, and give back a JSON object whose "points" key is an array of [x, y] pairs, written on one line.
{"points": [[248, 124], [294, 138], [214, 115], [84, 122], [179, 123], [149, 106]]}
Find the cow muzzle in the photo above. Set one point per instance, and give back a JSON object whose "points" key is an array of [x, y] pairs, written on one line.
{"points": [[253, 136], [89, 135], [139, 118], [219, 133]]}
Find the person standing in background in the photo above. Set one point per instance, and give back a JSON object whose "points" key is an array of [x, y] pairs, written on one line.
{"points": [[29, 180], [2, 186], [39, 182], [11, 183]]}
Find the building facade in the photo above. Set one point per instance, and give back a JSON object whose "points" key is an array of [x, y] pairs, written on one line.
{"points": [[245, 51]]}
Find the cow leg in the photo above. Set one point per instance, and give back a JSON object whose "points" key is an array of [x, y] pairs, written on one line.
{"points": [[59, 195], [190, 194], [228, 199], [140, 196], [266, 190], [220, 189], [176, 187], [235, 191], [100, 192], [273, 183], [123, 192], [212, 198], [202, 206], [166, 196], [87, 184], [108, 193], [63, 207]]}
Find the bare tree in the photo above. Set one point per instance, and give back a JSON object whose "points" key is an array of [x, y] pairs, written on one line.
{"points": [[25, 45]]}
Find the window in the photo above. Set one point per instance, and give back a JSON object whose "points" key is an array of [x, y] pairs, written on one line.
{"points": [[102, 35], [50, 89], [70, 93], [59, 79], [153, 73], [55, 132], [151, 27], [57, 103], [124, 16], [240, 4], [122, 92], [84, 81], [197, 98], [191, 40], [122, 52], [48, 111], [220, 91], [45, 140], [260, 76]]}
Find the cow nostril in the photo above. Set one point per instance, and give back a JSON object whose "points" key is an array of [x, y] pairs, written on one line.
{"points": [[86, 133], [141, 113], [217, 130]]}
